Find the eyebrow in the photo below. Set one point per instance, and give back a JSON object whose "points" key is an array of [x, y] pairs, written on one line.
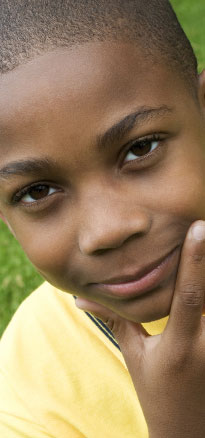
{"points": [[23, 167], [114, 133], [118, 131]]}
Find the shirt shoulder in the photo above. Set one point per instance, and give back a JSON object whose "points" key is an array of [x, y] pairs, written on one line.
{"points": [[29, 358], [55, 362]]}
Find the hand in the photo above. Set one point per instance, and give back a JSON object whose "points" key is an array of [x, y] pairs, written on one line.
{"points": [[168, 370]]}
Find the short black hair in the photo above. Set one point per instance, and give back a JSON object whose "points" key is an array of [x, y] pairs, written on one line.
{"points": [[31, 27]]}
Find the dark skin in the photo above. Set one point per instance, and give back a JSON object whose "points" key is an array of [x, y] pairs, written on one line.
{"points": [[103, 217], [103, 211]]}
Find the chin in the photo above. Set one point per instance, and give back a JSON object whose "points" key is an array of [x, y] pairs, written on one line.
{"points": [[148, 316], [152, 306], [154, 316]]}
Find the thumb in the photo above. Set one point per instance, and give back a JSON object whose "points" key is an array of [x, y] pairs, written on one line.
{"points": [[129, 335]]}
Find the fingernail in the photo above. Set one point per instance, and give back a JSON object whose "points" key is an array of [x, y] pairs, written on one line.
{"points": [[198, 231], [81, 303]]}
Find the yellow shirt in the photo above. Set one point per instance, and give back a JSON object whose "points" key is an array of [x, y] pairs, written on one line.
{"points": [[62, 374]]}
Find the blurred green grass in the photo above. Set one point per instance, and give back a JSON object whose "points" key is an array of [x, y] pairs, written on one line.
{"points": [[17, 276], [191, 15]]}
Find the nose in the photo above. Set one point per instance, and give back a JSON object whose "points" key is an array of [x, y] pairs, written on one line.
{"points": [[108, 222]]}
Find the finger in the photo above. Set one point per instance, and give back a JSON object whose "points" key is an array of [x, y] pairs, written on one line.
{"points": [[129, 335], [188, 301]]}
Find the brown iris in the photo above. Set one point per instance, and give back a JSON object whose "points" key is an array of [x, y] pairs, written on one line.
{"points": [[141, 148], [39, 192]]}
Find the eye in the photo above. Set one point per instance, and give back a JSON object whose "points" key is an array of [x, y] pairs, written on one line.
{"points": [[141, 148], [33, 194]]}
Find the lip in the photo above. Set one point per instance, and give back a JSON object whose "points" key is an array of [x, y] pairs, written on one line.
{"points": [[144, 280]]}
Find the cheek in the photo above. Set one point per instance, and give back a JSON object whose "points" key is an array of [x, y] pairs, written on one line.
{"points": [[186, 197], [192, 196], [49, 250], [181, 190]]}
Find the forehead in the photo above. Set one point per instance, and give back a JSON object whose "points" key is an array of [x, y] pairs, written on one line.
{"points": [[89, 68], [90, 86]]}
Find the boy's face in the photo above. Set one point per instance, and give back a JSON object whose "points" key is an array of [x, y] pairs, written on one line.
{"points": [[101, 206]]}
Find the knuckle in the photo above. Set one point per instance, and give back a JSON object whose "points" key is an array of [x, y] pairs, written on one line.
{"points": [[180, 357], [179, 362], [192, 294], [111, 324], [115, 326], [197, 258]]}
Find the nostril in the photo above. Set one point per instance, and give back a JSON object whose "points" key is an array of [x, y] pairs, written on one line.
{"points": [[104, 234], [101, 251]]}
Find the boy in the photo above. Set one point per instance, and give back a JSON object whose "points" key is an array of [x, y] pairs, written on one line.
{"points": [[102, 177]]}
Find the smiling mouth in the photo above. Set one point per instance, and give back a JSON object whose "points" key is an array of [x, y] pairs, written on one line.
{"points": [[143, 281]]}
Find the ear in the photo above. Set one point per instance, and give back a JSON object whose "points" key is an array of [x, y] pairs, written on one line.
{"points": [[201, 90], [7, 223]]}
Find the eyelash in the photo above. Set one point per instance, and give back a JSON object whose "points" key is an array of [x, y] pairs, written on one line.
{"points": [[149, 139], [25, 191], [145, 140]]}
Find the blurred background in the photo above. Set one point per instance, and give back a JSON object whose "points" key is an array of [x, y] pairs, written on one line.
{"points": [[17, 276]]}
